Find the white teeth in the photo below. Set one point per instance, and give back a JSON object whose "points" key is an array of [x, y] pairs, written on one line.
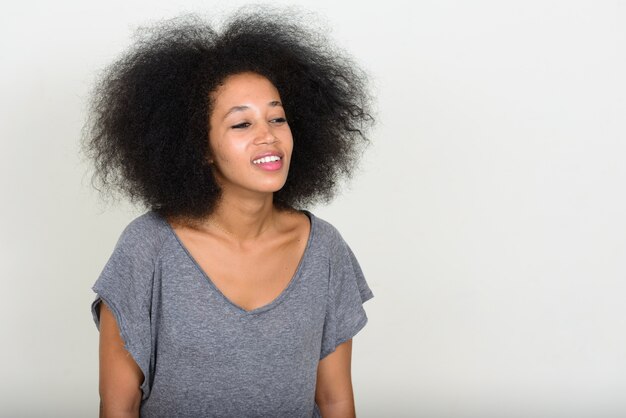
{"points": [[266, 159]]}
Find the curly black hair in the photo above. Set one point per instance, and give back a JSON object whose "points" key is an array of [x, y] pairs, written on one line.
{"points": [[147, 130]]}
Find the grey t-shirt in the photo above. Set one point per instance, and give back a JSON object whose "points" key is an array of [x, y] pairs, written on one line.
{"points": [[204, 356]]}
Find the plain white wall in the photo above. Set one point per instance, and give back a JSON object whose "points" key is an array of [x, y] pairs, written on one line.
{"points": [[488, 215]]}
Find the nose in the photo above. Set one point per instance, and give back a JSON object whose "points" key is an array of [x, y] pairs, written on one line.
{"points": [[265, 134]]}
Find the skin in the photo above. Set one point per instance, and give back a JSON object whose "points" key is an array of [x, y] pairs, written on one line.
{"points": [[245, 230], [120, 376]]}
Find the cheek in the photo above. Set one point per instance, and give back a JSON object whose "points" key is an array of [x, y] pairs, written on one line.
{"points": [[289, 143], [229, 150]]}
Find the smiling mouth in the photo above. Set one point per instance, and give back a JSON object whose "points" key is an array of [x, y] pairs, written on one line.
{"points": [[268, 159]]}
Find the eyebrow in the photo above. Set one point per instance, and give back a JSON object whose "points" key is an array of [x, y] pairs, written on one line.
{"points": [[234, 109]]}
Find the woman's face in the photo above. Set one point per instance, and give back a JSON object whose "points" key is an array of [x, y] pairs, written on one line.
{"points": [[249, 136]]}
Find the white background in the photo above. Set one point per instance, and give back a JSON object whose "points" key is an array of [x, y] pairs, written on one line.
{"points": [[488, 215]]}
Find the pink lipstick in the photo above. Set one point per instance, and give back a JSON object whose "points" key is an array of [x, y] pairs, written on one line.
{"points": [[269, 161]]}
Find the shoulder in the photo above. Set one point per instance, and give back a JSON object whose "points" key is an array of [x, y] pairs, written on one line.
{"points": [[134, 256], [144, 234], [328, 236], [346, 276]]}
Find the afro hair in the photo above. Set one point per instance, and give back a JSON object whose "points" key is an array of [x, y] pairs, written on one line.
{"points": [[147, 130]]}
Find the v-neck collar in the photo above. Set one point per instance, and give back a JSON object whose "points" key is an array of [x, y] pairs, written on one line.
{"points": [[278, 298]]}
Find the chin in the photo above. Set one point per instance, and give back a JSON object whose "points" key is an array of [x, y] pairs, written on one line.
{"points": [[266, 188], [273, 189], [273, 186]]}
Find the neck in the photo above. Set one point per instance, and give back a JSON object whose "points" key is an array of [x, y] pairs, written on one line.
{"points": [[243, 219]]}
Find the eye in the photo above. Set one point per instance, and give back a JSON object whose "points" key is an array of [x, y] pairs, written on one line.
{"points": [[241, 125], [279, 120]]}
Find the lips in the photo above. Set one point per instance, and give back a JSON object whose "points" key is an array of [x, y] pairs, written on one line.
{"points": [[268, 161], [267, 157]]}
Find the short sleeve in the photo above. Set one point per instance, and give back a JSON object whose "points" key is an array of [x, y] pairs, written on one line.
{"points": [[348, 290], [125, 285]]}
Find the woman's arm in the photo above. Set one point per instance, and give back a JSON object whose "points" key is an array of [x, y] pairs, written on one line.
{"points": [[120, 376], [333, 392]]}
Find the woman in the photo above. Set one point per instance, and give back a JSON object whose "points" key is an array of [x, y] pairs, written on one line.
{"points": [[224, 299]]}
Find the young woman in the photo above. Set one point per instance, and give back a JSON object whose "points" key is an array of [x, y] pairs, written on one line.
{"points": [[227, 298]]}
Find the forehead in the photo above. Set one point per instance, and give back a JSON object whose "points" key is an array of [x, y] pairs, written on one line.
{"points": [[243, 87]]}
